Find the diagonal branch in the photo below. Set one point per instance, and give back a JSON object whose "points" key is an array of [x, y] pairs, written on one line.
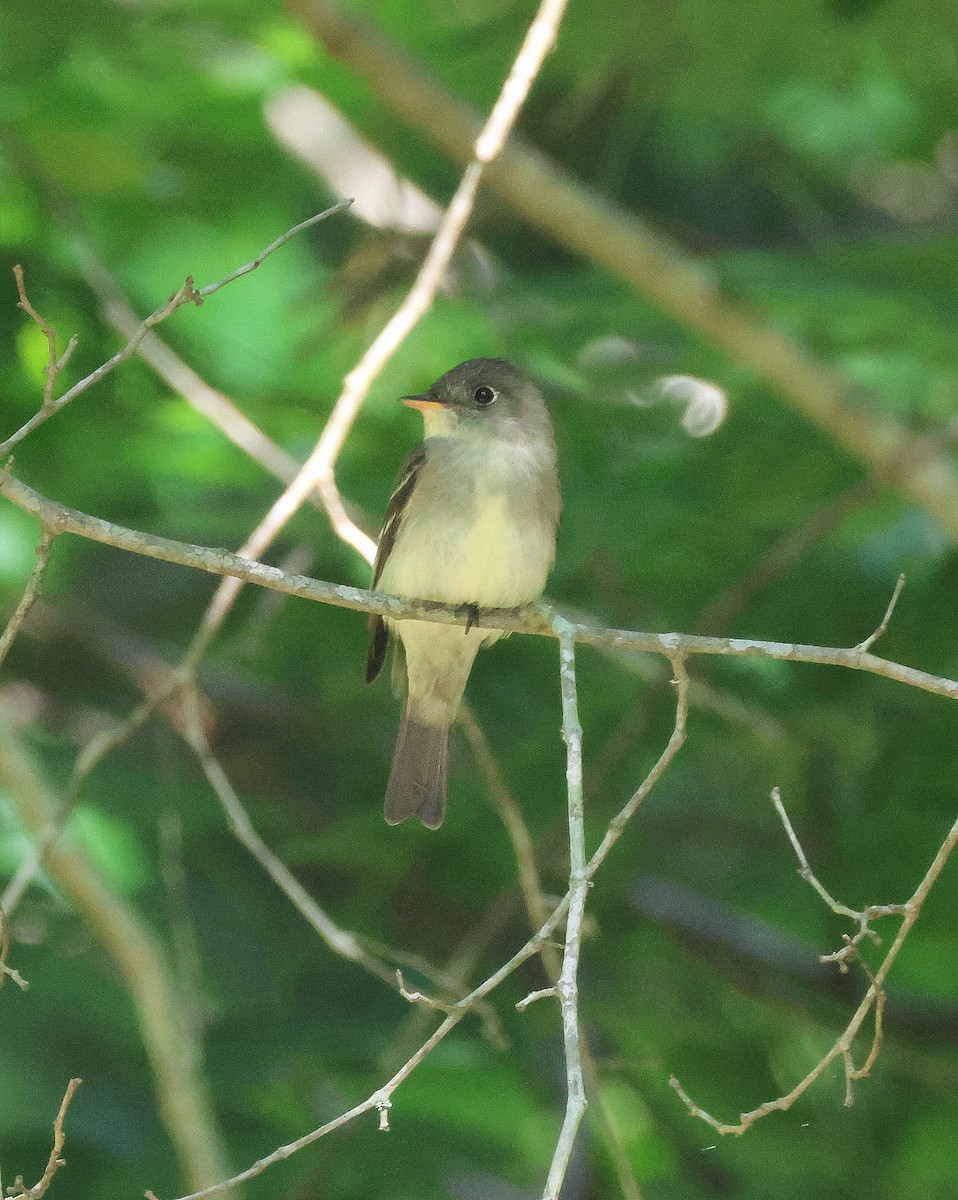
{"points": [[186, 294], [30, 594], [872, 1002], [20, 1191], [588, 223]]}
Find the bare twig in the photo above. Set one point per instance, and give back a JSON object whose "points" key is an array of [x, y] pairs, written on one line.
{"points": [[842, 910], [54, 364], [30, 594], [421, 997], [5, 969], [567, 985], [673, 646], [867, 644], [186, 294], [20, 1191], [539, 994], [339, 940], [873, 1001]]}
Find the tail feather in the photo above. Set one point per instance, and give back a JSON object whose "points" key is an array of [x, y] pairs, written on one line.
{"points": [[417, 782]]}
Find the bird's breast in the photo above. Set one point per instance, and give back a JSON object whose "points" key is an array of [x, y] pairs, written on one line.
{"points": [[474, 533]]}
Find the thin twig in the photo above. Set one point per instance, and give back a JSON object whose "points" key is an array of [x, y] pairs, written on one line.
{"points": [[381, 1098], [54, 364], [5, 968], [867, 644], [339, 940], [20, 1191], [186, 294], [567, 986], [841, 910], [30, 594], [873, 1000], [539, 994]]}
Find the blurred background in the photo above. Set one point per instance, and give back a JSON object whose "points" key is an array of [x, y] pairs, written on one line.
{"points": [[806, 159]]}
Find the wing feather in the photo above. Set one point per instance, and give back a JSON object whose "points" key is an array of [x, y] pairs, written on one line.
{"points": [[398, 501]]}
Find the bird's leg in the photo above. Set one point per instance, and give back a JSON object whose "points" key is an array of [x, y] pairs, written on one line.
{"points": [[471, 613]]}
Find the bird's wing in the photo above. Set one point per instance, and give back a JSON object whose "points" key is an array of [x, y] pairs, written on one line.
{"points": [[398, 502]]}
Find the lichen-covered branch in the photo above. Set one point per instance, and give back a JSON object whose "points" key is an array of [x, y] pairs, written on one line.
{"points": [[60, 519]]}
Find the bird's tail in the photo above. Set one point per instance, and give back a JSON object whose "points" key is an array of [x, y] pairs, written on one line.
{"points": [[417, 781]]}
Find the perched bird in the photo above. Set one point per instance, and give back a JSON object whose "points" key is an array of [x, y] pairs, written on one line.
{"points": [[472, 522]]}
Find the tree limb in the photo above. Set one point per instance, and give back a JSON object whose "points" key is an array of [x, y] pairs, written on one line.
{"points": [[553, 201], [60, 519]]}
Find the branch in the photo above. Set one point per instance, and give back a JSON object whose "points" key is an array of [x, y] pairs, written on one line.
{"points": [[20, 1191], [60, 519], [171, 1042], [341, 941], [30, 594], [6, 971], [206, 400], [872, 1002], [184, 295], [632, 250], [567, 985], [381, 1099]]}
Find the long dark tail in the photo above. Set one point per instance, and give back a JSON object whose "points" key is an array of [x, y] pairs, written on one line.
{"points": [[417, 781]]}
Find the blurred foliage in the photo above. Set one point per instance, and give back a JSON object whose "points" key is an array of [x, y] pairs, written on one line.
{"points": [[811, 152]]}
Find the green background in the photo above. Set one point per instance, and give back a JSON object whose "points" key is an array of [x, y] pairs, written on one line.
{"points": [[810, 158]]}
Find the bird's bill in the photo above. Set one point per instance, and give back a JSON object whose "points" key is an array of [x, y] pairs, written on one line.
{"points": [[424, 402]]}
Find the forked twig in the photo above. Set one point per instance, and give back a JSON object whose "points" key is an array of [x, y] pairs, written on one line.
{"points": [[19, 1190], [186, 294]]}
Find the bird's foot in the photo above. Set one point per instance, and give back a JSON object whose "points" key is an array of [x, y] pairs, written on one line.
{"points": [[471, 613]]}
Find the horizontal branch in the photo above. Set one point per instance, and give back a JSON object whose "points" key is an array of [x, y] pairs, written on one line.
{"points": [[57, 518]]}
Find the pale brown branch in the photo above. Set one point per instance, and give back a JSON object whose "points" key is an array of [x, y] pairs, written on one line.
{"points": [[672, 646], [5, 969], [339, 940], [54, 364], [869, 913], [873, 1000], [539, 994], [588, 223], [537, 907], [20, 1191], [30, 594], [886, 619], [186, 294], [172, 1043]]}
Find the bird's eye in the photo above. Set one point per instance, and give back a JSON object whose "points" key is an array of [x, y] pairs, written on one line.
{"points": [[484, 395]]}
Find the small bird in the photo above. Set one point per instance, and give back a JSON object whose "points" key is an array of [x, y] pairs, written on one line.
{"points": [[472, 522]]}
